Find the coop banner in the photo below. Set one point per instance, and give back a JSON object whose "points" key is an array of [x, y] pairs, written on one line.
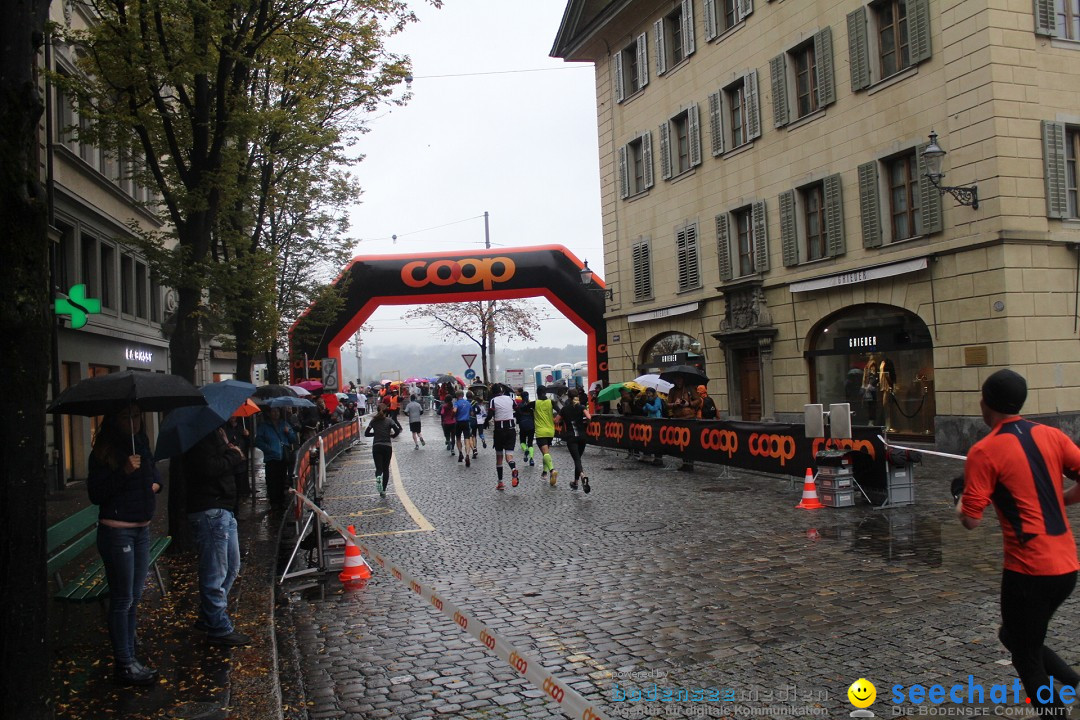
{"points": [[776, 448]]}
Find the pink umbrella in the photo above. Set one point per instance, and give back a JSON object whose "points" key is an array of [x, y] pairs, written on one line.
{"points": [[311, 385]]}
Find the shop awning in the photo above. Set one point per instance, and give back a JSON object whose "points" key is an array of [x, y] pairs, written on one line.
{"points": [[876, 272], [663, 313]]}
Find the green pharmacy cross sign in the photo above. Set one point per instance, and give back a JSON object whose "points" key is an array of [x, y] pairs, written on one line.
{"points": [[77, 305]]}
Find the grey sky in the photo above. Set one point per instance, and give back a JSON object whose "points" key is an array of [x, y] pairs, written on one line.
{"points": [[520, 145]]}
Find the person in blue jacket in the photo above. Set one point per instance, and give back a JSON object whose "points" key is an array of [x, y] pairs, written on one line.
{"points": [[272, 437], [124, 482]]}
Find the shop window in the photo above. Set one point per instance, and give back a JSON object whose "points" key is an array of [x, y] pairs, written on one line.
{"points": [[73, 448], [879, 359], [672, 348]]}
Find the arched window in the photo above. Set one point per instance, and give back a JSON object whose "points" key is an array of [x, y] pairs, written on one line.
{"points": [[880, 359], [671, 348]]}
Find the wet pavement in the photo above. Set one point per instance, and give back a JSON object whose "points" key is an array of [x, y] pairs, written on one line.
{"points": [[710, 583]]}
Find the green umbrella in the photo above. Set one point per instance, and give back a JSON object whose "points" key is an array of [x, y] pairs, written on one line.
{"points": [[611, 392]]}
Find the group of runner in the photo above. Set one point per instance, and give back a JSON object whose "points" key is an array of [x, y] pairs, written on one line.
{"points": [[516, 421]]}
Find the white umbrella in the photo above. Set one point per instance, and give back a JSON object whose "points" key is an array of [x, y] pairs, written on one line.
{"points": [[653, 381], [302, 392]]}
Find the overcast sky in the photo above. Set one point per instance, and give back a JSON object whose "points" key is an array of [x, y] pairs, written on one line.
{"points": [[480, 135]]}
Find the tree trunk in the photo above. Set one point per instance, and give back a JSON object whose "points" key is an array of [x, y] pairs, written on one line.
{"points": [[244, 333], [24, 365], [272, 368]]}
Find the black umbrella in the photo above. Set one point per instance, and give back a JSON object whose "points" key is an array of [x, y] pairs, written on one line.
{"points": [[688, 373], [265, 392], [106, 394], [442, 379]]}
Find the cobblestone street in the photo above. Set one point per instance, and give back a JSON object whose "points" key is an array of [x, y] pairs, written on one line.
{"points": [[657, 579]]}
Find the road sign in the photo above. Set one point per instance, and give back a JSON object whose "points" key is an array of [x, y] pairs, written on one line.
{"points": [[515, 378], [329, 375], [469, 359], [470, 373]]}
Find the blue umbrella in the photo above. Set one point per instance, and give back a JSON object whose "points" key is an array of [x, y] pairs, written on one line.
{"points": [[188, 425], [286, 401]]}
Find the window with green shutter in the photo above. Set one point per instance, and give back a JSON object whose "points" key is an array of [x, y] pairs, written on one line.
{"points": [[641, 258], [931, 217], [635, 166], [885, 38], [680, 142], [1058, 18], [1056, 167], [735, 114], [724, 15], [789, 239], [631, 68], [742, 241], [687, 257], [723, 249], [809, 66], [869, 205]]}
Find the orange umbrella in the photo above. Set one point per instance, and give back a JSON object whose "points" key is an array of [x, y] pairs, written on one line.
{"points": [[247, 409]]}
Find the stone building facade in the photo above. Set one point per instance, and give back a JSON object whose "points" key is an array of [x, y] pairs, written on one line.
{"points": [[767, 208]]}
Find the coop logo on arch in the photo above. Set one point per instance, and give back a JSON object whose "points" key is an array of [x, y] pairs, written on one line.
{"points": [[468, 271]]}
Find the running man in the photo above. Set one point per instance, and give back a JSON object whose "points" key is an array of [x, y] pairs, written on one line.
{"points": [[481, 421], [501, 413], [474, 404], [575, 414], [1018, 468], [526, 427], [414, 410], [544, 419], [462, 412]]}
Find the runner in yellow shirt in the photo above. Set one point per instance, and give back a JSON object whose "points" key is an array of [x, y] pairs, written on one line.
{"points": [[544, 418]]}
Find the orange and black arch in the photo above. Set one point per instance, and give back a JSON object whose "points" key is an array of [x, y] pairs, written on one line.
{"points": [[548, 271]]}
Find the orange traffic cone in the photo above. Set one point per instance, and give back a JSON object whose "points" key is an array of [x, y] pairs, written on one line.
{"points": [[809, 493], [355, 567]]}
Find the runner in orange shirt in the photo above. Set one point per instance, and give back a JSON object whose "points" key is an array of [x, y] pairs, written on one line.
{"points": [[1018, 468]]}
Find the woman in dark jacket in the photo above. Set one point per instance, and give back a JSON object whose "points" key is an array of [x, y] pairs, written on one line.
{"points": [[575, 415], [383, 429], [123, 481]]}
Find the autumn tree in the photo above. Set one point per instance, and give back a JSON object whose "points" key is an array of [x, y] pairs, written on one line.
{"points": [[480, 320], [24, 364], [177, 76]]}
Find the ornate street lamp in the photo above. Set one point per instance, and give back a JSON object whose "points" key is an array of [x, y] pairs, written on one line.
{"points": [[587, 279], [932, 156]]}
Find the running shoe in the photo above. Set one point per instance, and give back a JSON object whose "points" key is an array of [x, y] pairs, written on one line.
{"points": [[417, 445], [474, 455], [422, 441], [543, 475], [585, 484], [460, 457], [466, 461], [500, 486], [554, 477], [573, 484], [531, 463], [514, 477], [485, 444]]}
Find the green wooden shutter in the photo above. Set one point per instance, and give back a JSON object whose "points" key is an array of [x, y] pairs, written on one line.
{"points": [[919, 30], [665, 151], [616, 62], [643, 60], [789, 239], [689, 44], [761, 236], [661, 47], [709, 8], [858, 49], [693, 121], [687, 257], [823, 66], [646, 158], [753, 105], [723, 247], [1053, 137], [870, 205], [642, 270], [929, 198], [744, 8], [716, 124], [834, 216], [624, 173], [1045, 18], [778, 73]]}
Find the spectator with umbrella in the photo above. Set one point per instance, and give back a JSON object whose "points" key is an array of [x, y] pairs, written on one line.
{"points": [[274, 437], [125, 485]]}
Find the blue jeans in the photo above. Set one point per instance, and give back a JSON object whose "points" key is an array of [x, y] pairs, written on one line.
{"points": [[219, 564], [125, 552]]}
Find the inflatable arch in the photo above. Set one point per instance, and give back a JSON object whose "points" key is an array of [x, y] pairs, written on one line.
{"points": [[549, 271]]}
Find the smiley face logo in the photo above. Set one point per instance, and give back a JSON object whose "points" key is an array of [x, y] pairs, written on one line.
{"points": [[862, 693]]}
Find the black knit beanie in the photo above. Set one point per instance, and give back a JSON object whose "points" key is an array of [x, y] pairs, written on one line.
{"points": [[1005, 391]]}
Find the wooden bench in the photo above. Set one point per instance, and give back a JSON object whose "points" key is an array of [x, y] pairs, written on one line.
{"points": [[66, 541]]}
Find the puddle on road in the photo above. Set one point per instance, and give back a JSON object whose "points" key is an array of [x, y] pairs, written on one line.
{"points": [[896, 537]]}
